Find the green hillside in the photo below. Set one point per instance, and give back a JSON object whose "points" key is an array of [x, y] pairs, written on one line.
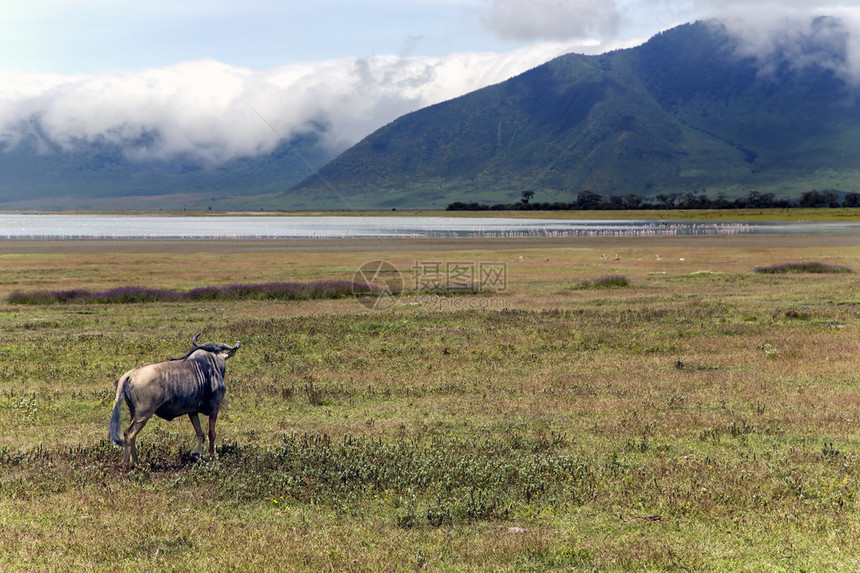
{"points": [[682, 113], [100, 176]]}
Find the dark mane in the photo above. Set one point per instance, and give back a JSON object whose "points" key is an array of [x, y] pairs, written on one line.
{"points": [[208, 347]]}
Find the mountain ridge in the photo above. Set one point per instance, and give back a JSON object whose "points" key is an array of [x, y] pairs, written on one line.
{"points": [[101, 175], [691, 111], [682, 113]]}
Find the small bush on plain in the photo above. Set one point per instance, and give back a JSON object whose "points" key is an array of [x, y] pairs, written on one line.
{"points": [[607, 282], [135, 294], [805, 267]]}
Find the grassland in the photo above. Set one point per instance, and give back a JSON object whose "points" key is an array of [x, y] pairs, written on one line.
{"points": [[703, 416]]}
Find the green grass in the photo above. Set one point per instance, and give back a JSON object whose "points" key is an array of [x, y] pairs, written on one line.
{"points": [[703, 421]]}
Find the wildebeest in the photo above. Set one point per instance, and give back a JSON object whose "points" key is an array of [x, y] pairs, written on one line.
{"points": [[193, 384]]}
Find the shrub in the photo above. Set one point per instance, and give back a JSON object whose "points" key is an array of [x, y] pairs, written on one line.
{"points": [[130, 294], [607, 282], [806, 267], [133, 294]]}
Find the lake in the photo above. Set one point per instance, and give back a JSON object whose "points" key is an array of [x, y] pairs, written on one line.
{"points": [[62, 226]]}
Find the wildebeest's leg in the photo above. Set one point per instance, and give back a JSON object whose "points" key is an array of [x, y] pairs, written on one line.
{"points": [[212, 417], [131, 433], [201, 437]]}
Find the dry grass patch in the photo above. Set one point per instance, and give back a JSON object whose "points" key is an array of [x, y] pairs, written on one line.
{"points": [[685, 422]]}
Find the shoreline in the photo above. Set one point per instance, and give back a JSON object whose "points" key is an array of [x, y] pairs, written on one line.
{"points": [[322, 245], [774, 214]]}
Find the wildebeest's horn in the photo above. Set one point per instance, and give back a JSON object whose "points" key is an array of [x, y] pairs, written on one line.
{"points": [[194, 340]]}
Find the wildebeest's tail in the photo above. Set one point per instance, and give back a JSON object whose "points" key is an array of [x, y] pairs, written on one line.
{"points": [[114, 419]]}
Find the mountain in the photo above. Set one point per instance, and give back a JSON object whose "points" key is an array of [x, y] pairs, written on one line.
{"points": [[686, 112], [103, 176], [696, 109]]}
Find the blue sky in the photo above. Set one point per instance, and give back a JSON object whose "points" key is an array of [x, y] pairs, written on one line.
{"points": [[200, 74], [86, 36]]}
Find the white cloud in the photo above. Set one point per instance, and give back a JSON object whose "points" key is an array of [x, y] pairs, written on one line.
{"points": [[552, 19], [212, 111], [827, 38], [603, 19]]}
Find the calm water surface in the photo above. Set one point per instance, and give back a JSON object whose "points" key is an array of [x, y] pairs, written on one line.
{"points": [[53, 226]]}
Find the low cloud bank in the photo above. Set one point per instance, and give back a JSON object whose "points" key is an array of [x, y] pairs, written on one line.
{"points": [[800, 40], [213, 112]]}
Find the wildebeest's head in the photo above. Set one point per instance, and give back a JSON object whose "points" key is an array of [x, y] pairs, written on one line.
{"points": [[225, 351]]}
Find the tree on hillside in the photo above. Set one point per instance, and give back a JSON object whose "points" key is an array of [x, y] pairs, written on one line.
{"points": [[527, 196], [666, 201], [816, 198], [587, 199]]}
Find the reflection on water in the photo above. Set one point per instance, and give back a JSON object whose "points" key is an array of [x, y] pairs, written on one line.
{"points": [[53, 226]]}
